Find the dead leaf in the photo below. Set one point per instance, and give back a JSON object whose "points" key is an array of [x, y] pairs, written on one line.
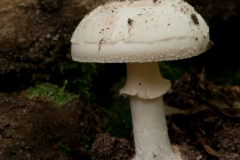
{"points": [[208, 149]]}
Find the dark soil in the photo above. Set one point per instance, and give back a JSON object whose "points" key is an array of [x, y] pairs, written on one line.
{"points": [[203, 120], [37, 129], [208, 124], [112, 148]]}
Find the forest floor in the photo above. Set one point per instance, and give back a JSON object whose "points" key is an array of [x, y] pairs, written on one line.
{"points": [[203, 121]]}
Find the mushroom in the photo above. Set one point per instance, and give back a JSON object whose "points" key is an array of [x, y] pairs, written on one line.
{"points": [[141, 33]]}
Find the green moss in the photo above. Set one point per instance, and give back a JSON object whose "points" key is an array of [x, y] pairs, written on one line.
{"points": [[117, 118], [117, 115], [225, 76], [87, 140], [52, 92], [64, 149], [171, 70], [80, 78]]}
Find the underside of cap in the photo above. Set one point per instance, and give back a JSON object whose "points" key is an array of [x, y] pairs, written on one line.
{"points": [[140, 31]]}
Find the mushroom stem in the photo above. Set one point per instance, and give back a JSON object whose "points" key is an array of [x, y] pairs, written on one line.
{"points": [[145, 86], [145, 81], [150, 129]]}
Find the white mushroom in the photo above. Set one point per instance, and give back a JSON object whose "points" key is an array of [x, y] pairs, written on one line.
{"points": [[141, 33]]}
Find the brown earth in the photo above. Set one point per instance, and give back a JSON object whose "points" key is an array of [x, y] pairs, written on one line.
{"points": [[38, 129], [203, 119], [203, 128]]}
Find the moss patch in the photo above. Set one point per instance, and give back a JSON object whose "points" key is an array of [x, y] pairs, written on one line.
{"points": [[52, 92]]}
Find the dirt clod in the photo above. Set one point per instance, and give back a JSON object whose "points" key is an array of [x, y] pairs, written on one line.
{"points": [[111, 148]]}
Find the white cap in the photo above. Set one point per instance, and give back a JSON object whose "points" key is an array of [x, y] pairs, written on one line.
{"points": [[140, 31]]}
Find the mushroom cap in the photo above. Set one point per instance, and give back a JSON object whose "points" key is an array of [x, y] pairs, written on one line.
{"points": [[140, 31]]}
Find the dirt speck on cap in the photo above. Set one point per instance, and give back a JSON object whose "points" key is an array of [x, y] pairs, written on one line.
{"points": [[194, 18], [210, 44], [130, 21]]}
